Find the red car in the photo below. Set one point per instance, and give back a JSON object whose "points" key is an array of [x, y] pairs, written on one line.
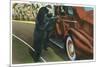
{"points": [[74, 31]]}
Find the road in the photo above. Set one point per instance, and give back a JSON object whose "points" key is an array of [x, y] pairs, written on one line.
{"points": [[20, 51]]}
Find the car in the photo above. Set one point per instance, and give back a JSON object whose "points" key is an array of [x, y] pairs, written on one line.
{"points": [[74, 31]]}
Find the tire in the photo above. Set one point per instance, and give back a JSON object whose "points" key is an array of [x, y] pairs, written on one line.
{"points": [[70, 48]]}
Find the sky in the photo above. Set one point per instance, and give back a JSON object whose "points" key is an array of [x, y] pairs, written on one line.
{"points": [[88, 8]]}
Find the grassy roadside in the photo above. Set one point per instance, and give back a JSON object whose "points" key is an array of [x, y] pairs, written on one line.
{"points": [[20, 54]]}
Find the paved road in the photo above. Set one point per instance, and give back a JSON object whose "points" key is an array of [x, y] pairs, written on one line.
{"points": [[20, 50]]}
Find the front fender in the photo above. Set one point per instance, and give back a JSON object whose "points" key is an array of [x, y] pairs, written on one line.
{"points": [[82, 43]]}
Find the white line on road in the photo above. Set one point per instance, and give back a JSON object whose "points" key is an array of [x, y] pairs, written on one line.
{"points": [[27, 45], [29, 22], [24, 42]]}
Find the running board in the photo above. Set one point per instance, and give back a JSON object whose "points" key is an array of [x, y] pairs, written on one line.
{"points": [[57, 42]]}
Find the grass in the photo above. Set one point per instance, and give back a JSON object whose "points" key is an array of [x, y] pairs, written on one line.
{"points": [[51, 56], [20, 52]]}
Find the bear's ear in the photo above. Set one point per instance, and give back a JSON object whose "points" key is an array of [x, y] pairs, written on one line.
{"points": [[49, 6]]}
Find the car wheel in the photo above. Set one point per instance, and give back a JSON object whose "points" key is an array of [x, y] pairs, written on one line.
{"points": [[70, 49]]}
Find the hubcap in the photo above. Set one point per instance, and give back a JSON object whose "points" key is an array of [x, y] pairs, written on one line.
{"points": [[70, 48]]}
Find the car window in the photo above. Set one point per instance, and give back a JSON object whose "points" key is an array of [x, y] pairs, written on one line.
{"points": [[70, 11]]}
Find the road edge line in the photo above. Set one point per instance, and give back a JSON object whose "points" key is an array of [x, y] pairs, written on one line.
{"points": [[28, 46]]}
